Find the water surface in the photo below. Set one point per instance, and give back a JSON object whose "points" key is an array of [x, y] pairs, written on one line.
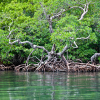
{"points": [[49, 86]]}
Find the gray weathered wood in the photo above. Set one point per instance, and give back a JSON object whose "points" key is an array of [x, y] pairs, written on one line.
{"points": [[93, 58]]}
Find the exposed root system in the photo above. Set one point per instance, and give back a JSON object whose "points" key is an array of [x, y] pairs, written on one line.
{"points": [[4, 68], [24, 68], [83, 67], [61, 67], [54, 67]]}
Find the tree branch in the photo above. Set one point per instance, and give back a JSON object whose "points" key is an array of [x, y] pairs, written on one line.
{"points": [[63, 51], [77, 7], [58, 14], [85, 9], [44, 10], [75, 45], [83, 38], [29, 57], [93, 58], [49, 18], [31, 44]]}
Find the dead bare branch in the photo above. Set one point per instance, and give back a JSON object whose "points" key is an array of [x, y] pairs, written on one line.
{"points": [[29, 57], [85, 9], [83, 38], [75, 45], [93, 58], [58, 14]]}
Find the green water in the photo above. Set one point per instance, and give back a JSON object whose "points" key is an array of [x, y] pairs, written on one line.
{"points": [[49, 86]]}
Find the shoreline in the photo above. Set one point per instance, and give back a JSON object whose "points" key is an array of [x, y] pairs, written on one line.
{"points": [[73, 67]]}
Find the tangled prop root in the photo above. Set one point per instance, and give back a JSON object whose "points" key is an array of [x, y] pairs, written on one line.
{"points": [[83, 67], [60, 66], [5, 68], [53, 67], [24, 68]]}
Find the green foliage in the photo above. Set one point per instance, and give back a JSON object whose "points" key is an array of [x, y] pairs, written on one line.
{"points": [[30, 24], [99, 59], [84, 52]]}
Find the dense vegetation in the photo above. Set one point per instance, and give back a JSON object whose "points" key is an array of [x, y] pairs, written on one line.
{"points": [[27, 20]]}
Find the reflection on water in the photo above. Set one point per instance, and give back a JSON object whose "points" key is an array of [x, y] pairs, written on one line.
{"points": [[49, 86]]}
